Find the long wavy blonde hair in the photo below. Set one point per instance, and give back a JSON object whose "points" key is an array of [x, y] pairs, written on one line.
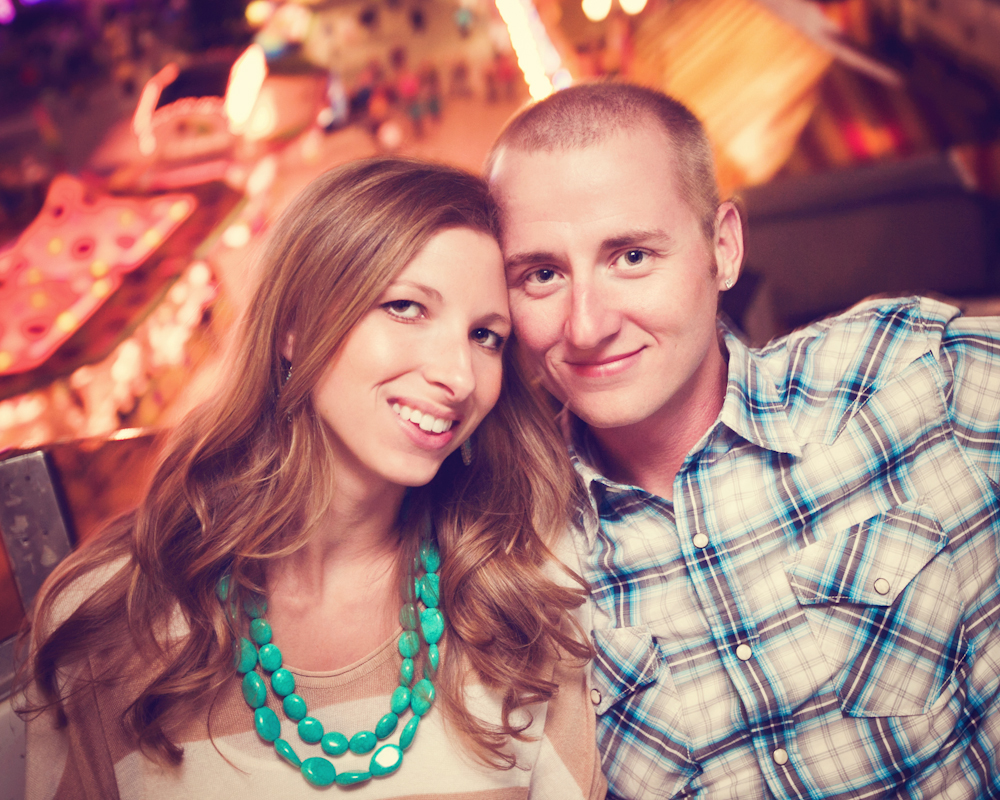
{"points": [[244, 478]]}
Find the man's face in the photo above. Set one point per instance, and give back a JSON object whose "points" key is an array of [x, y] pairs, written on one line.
{"points": [[613, 285]]}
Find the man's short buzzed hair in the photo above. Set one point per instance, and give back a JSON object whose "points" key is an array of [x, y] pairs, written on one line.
{"points": [[588, 113]]}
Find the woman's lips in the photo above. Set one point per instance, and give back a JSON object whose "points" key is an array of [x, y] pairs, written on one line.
{"points": [[424, 429]]}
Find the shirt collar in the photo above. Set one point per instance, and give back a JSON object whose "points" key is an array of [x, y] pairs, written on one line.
{"points": [[754, 407]]}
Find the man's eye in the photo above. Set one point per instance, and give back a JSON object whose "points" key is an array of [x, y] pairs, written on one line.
{"points": [[634, 257], [404, 309], [543, 275]]}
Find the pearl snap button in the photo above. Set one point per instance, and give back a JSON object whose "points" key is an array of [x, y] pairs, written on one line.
{"points": [[595, 697], [743, 652], [700, 540], [882, 586], [780, 757]]}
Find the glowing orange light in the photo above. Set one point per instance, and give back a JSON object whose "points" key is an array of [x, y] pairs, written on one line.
{"points": [[596, 10], [245, 79]]}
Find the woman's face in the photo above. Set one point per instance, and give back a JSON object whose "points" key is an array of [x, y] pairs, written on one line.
{"points": [[423, 367]]}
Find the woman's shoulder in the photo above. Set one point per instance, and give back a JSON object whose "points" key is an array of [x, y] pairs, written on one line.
{"points": [[64, 593]]}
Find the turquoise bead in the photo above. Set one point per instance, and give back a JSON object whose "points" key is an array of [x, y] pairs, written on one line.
{"points": [[318, 771], [433, 659], [423, 697], [267, 724], [295, 707], [246, 656], [283, 682], [254, 690], [386, 760], [385, 726], [286, 752], [431, 624], [254, 606], [334, 743], [409, 644], [430, 590], [408, 617], [362, 742], [409, 731], [350, 778], [430, 557], [260, 630], [406, 672], [400, 700], [310, 730], [222, 588], [270, 657]]}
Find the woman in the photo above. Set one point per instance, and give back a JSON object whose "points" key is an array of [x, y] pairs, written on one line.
{"points": [[240, 633]]}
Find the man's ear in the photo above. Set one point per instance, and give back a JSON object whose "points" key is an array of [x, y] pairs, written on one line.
{"points": [[728, 244]]}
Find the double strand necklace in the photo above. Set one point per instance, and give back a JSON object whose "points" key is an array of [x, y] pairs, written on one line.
{"points": [[258, 656]]}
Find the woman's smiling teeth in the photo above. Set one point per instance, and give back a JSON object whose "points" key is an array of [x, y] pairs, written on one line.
{"points": [[426, 422]]}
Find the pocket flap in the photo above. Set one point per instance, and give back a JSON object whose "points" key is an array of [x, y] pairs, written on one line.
{"points": [[870, 563], [626, 660]]}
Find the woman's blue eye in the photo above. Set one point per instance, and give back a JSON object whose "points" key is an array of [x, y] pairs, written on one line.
{"points": [[488, 338]]}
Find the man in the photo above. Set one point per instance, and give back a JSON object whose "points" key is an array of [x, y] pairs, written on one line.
{"points": [[793, 552]]}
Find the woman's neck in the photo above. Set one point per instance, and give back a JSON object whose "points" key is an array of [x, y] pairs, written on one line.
{"points": [[337, 598]]}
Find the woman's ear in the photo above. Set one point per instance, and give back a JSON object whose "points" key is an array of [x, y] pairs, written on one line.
{"points": [[289, 346]]}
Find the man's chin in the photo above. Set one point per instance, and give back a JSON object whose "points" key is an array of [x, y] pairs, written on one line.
{"points": [[604, 418]]}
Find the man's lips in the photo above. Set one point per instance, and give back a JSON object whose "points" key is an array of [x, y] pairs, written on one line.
{"points": [[606, 367]]}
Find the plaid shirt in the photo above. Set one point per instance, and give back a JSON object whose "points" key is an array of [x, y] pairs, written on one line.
{"points": [[815, 613]]}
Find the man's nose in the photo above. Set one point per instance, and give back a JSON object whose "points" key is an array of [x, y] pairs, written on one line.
{"points": [[593, 316]]}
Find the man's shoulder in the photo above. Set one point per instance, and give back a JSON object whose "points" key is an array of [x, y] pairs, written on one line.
{"points": [[868, 342]]}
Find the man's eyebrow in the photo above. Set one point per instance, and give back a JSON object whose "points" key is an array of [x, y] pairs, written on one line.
{"points": [[521, 259], [639, 237], [654, 237]]}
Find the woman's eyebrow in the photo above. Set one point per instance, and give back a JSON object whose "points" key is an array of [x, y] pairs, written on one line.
{"points": [[423, 287]]}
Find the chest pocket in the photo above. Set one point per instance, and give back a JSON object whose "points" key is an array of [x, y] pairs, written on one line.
{"points": [[639, 721], [882, 600]]}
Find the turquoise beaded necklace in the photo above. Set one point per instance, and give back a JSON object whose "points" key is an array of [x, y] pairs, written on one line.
{"points": [[258, 655]]}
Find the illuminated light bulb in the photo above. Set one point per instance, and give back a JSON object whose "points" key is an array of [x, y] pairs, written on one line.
{"points": [[236, 235], [7, 12], [526, 46], [258, 12], [632, 6], [264, 120], [596, 10], [245, 79], [262, 176]]}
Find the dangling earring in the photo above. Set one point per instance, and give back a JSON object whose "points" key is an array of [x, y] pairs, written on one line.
{"points": [[286, 367], [466, 450], [729, 285]]}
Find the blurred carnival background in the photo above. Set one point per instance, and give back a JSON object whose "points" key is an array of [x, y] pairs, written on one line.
{"points": [[146, 145]]}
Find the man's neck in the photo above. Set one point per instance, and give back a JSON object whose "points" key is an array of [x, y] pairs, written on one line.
{"points": [[648, 454]]}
